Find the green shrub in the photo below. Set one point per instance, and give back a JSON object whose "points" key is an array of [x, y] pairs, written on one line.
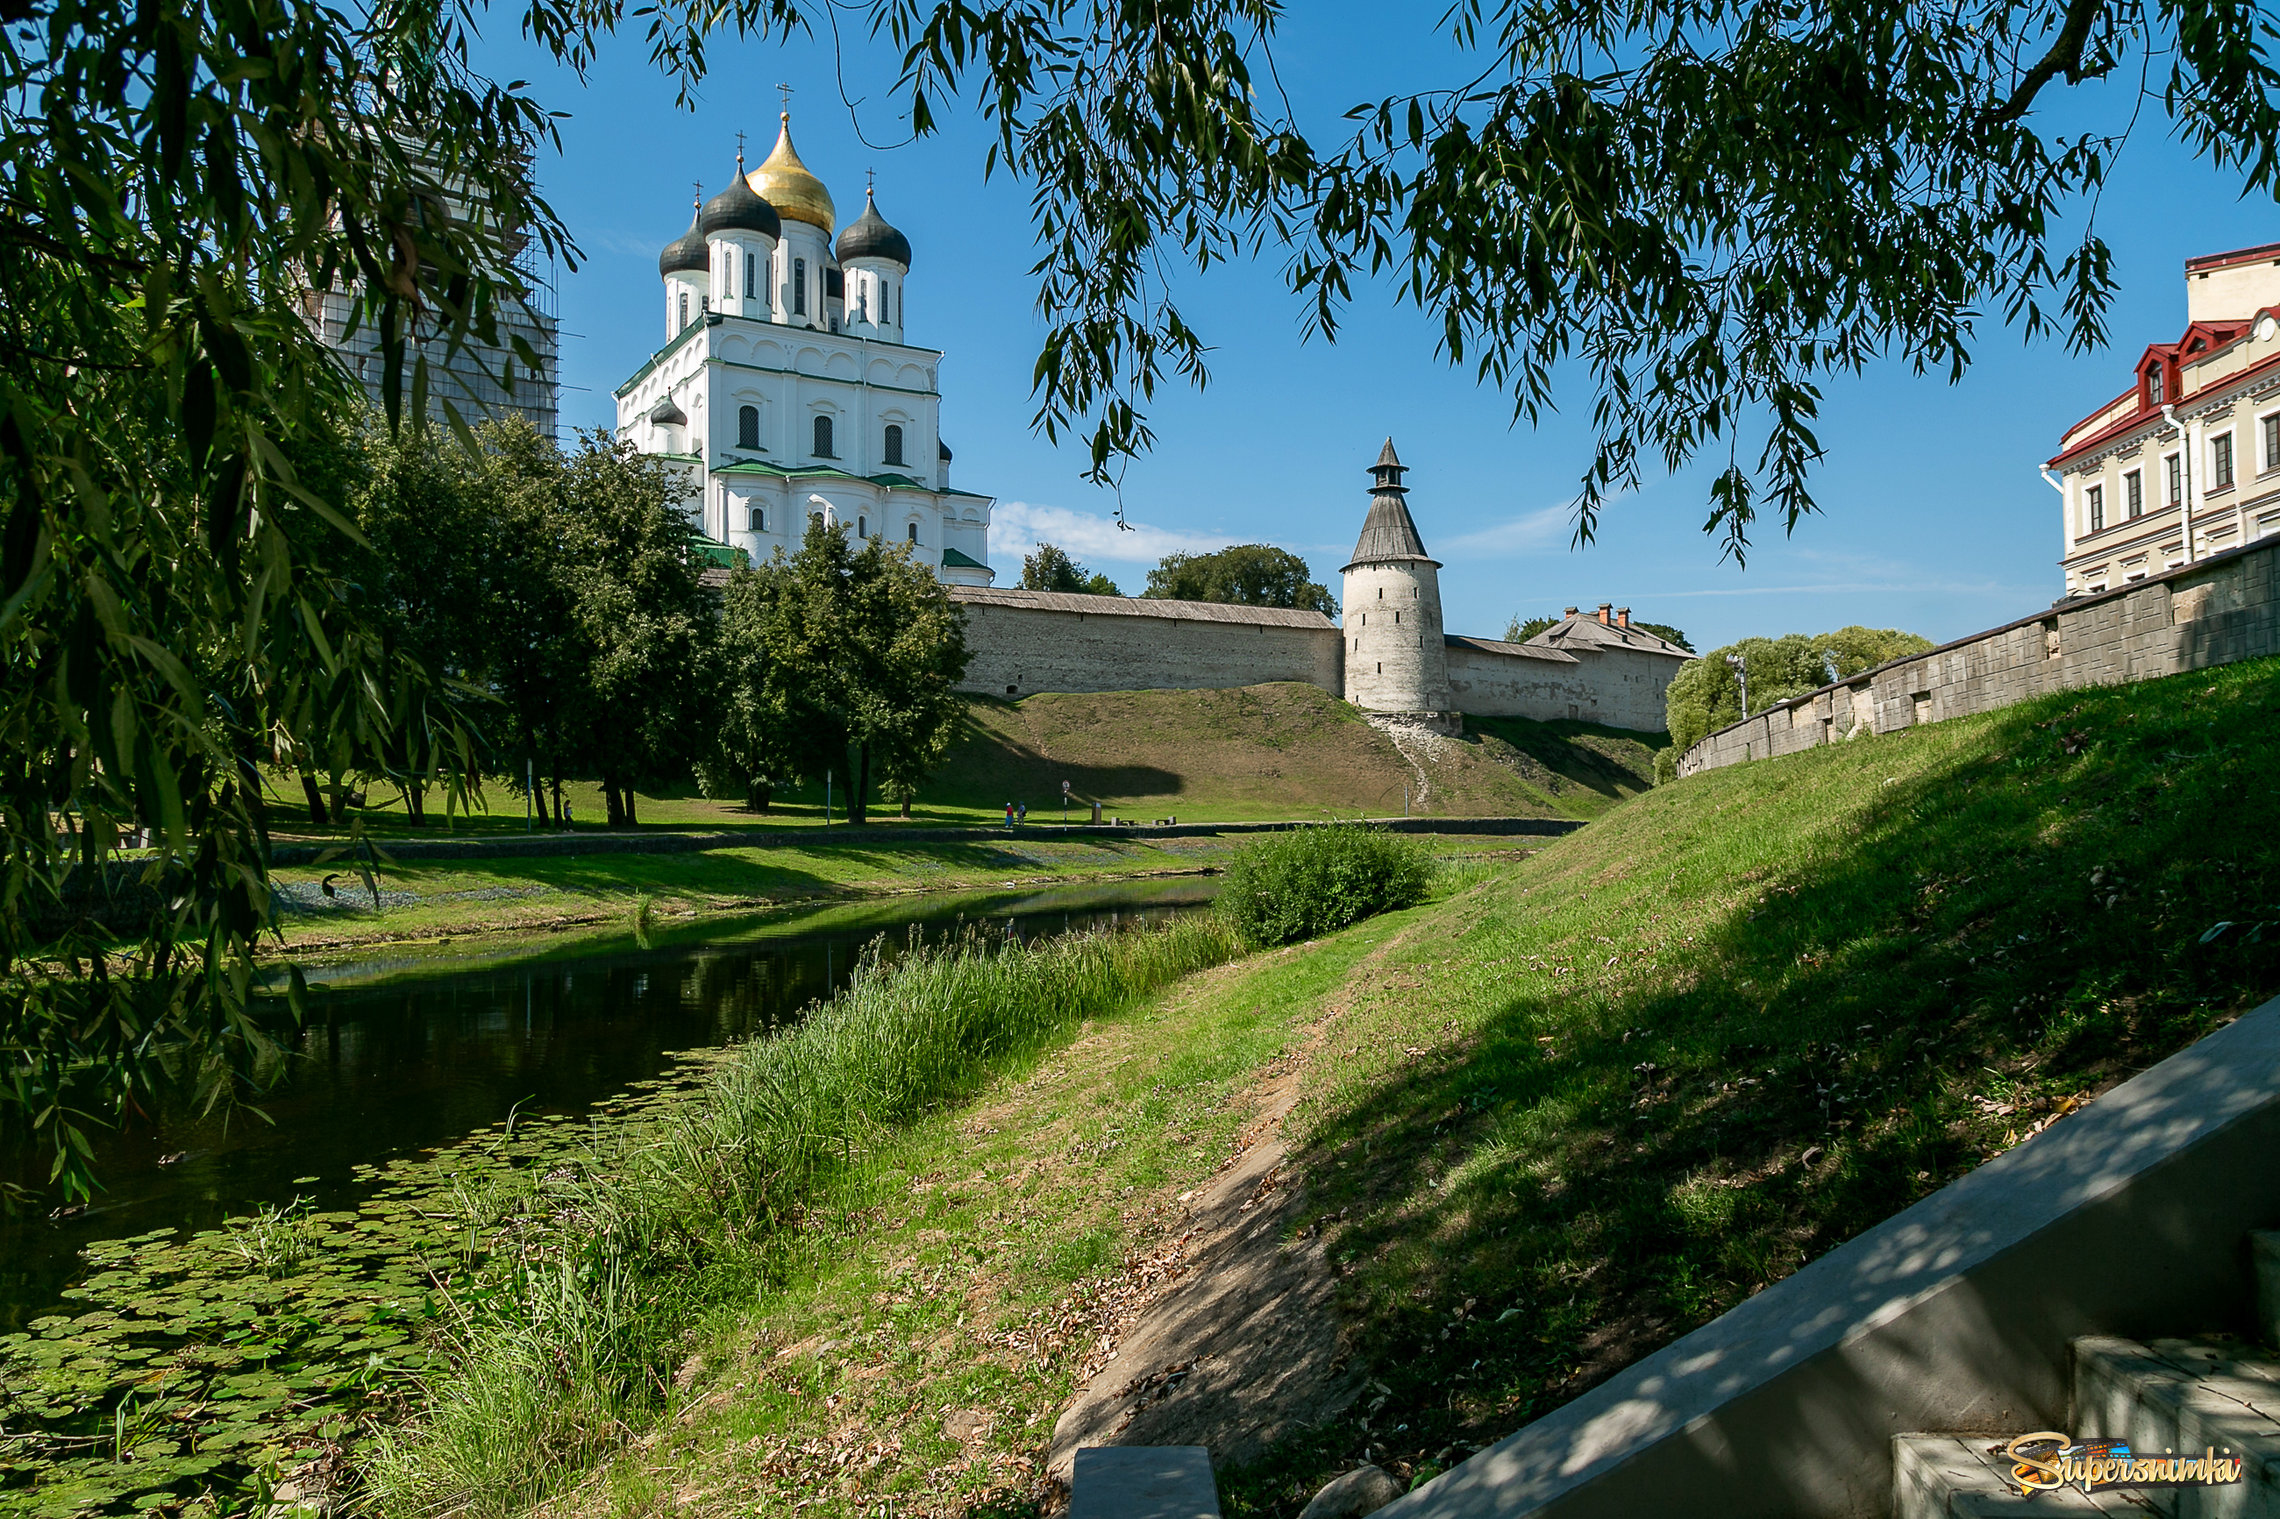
{"points": [[1666, 765], [1309, 881]]}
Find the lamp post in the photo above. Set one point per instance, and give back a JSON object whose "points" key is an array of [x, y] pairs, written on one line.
{"points": [[1742, 673]]}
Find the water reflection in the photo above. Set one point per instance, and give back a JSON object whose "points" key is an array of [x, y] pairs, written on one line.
{"points": [[407, 1053]]}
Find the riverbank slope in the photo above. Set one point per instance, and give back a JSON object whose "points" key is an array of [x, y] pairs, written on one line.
{"points": [[332, 909], [1533, 1131]]}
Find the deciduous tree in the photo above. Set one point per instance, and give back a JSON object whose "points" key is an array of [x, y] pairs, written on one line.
{"points": [[1246, 574]]}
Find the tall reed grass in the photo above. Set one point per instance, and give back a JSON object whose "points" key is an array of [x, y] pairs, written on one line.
{"points": [[575, 1342]]}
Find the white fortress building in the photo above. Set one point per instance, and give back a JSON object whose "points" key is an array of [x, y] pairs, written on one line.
{"points": [[784, 382], [787, 389]]}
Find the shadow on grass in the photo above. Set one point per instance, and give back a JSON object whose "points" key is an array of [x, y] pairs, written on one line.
{"points": [[1926, 943], [1567, 757]]}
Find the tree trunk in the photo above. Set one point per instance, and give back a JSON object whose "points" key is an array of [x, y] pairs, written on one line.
{"points": [[632, 813], [757, 795], [859, 794], [316, 800], [611, 801], [906, 806], [415, 805], [561, 818], [337, 789]]}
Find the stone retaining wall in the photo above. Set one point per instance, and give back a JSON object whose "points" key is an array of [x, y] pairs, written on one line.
{"points": [[2222, 609]]}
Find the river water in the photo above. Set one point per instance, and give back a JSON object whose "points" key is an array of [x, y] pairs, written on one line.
{"points": [[406, 1053]]}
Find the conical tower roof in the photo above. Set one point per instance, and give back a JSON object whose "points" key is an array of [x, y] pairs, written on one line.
{"points": [[1388, 532], [786, 184]]}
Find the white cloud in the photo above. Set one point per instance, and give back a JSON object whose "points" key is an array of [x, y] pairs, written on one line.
{"points": [[1017, 527], [1550, 527]]}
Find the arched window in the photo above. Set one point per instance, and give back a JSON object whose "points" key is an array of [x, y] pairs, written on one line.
{"points": [[898, 308], [894, 444], [799, 287], [747, 427], [862, 526], [914, 532], [822, 449], [815, 518], [684, 309], [751, 276], [759, 520], [886, 299]]}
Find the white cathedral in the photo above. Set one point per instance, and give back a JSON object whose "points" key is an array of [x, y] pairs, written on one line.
{"points": [[784, 382]]}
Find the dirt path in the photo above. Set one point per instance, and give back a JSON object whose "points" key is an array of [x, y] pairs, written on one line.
{"points": [[1241, 1346]]}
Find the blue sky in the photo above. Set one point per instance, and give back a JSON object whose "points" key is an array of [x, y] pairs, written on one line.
{"points": [[1933, 517]]}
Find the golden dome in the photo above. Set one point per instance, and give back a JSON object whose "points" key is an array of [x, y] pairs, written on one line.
{"points": [[785, 183]]}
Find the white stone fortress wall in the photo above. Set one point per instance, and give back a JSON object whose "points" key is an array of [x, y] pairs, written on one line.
{"points": [[1023, 642], [2222, 609]]}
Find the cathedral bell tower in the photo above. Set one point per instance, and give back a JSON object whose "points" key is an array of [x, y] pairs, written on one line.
{"points": [[1396, 660]]}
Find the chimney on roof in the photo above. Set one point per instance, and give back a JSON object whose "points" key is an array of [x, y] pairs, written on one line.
{"points": [[1567, 611], [1606, 608], [1622, 617]]}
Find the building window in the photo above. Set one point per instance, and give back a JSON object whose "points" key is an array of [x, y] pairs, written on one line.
{"points": [[914, 532], [862, 526], [2220, 461], [684, 310], [815, 519], [747, 427], [2133, 493], [894, 444], [822, 449], [2153, 384], [799, 287], [759, 520], [2272, 441], [751, 276], [2094, 498], [2176, 463], [1397, 619]]}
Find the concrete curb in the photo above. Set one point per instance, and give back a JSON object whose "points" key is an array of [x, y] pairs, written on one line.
{"points": [[2129, 1218], [554, 845]]}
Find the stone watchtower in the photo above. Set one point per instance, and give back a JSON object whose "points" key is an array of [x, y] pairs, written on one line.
{"points": [[1396, 659]]}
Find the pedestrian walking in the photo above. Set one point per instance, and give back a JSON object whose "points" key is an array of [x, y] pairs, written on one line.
{"points": [[1009, 814]]}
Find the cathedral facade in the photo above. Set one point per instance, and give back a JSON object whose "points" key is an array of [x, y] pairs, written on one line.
{"points": [[784, 384]]}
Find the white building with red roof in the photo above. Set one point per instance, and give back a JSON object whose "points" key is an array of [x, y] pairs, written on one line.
{"points": [[2186, 462]]}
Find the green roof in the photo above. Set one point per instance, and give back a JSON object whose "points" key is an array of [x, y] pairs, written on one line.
{"points": [[826, 472], [953, 560], [712, 551]]}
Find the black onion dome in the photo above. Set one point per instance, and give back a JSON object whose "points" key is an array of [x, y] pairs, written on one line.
{"points": [[739, 208], [666, 414], [686, 253], [869, 236]]}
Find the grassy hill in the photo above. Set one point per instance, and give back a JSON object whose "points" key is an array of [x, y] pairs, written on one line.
{"points": [[1578, 1106], [1279, 750], [1284, 750]]}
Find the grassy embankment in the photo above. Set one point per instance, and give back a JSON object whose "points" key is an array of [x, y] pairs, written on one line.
{"points": [[1549, 1124], [1277, 751], [1257, 753]]}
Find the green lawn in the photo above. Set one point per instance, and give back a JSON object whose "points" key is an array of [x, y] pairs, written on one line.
{"points": [[1550, 1122]]}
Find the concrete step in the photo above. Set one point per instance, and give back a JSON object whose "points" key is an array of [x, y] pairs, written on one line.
{"points": [[1965, 1477], [2188, 1397]]}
